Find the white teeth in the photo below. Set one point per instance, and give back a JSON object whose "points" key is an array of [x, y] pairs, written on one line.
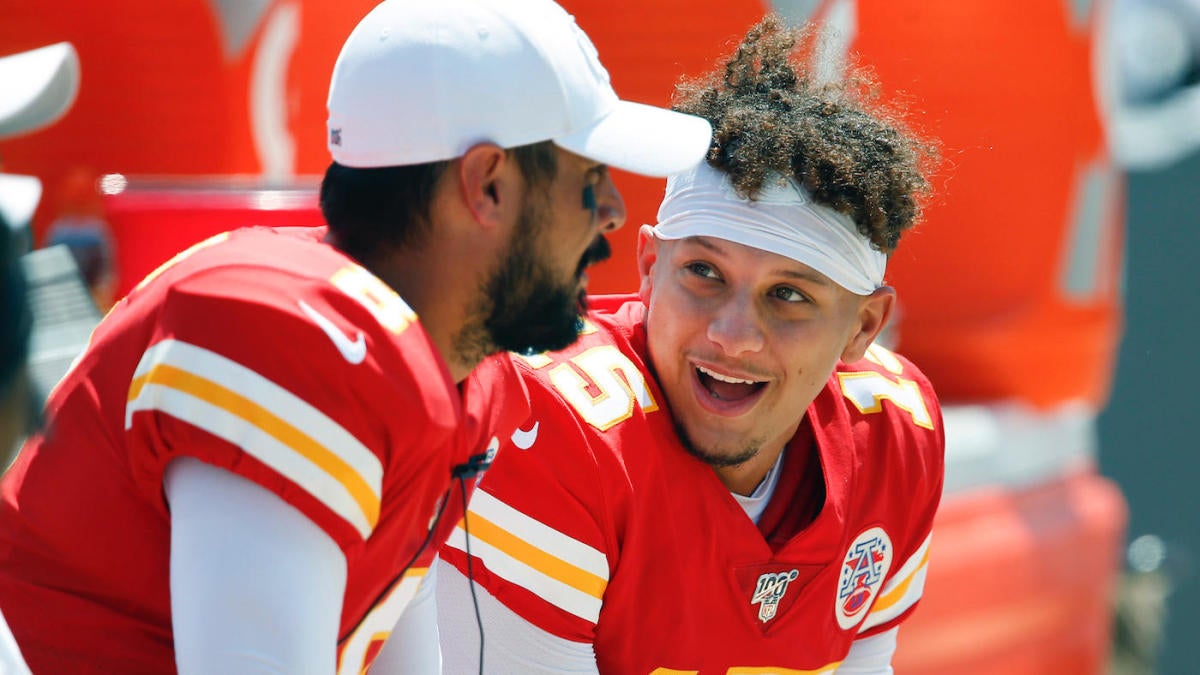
{"points": [[724, 378]]}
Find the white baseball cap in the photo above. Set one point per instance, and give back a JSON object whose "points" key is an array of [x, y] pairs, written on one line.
{"points": [[19, 196], [39, 86], [424, 80]]}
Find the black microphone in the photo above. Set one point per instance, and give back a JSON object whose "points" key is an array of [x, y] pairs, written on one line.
{"points": [[475, 465]]}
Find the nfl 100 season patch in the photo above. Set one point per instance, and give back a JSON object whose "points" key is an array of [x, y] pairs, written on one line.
{"points": [[769, 590]]}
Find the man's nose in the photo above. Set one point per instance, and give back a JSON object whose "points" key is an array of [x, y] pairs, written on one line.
{"points": [[610, 207], [737, 328]]}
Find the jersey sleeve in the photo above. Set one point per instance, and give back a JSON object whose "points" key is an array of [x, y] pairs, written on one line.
{"points": [[513, 645], [912, 446], [871, 655], [538, 535], [285, 381]]}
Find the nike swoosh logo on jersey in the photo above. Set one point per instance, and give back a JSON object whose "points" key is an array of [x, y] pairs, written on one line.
{"points": [[354, 351], [525, 439]]}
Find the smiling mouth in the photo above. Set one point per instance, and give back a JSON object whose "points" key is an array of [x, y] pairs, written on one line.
{"points": [[727, 388]]}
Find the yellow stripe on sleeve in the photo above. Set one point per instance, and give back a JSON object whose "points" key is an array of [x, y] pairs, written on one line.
{"points": [[538, 559], [268, 422], [273, 425]]}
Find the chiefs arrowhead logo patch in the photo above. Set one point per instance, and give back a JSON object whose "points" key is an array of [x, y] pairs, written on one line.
{"points": [[863, 569]]}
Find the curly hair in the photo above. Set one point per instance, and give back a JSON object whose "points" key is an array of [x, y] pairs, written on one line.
{"points": [[771, 116]]}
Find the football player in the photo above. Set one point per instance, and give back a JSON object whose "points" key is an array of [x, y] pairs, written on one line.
{"points": [[40, 86], [252, 465], [725, 474], [15, 410]]}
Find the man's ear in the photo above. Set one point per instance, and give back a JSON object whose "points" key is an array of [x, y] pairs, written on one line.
{"points": [[487, 183], [647, 254], [871, 316]]}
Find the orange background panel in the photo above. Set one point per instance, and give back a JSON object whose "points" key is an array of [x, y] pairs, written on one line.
{"points": [[161, 95], [1019, 582], [1009, 90]]}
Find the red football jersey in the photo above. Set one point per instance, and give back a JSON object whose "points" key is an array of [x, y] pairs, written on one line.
{"points": [[597, 526], [272, 355]]}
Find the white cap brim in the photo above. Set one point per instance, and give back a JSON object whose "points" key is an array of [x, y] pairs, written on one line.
{"points": [[643, 139], [19, 197], [39, 86]]}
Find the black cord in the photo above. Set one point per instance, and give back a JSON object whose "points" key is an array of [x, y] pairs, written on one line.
{"points": [[461, 472], [470, 573], [400, 577]]}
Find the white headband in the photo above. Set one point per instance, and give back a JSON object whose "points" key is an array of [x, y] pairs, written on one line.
{"points": [[783, 219]]}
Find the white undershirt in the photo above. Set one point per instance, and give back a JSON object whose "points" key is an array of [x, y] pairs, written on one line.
{"points": [[756, 503], [11, 662], [257, 587]]}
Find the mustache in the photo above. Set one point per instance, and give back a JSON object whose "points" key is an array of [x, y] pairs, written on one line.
{"points": [[599, 251]]}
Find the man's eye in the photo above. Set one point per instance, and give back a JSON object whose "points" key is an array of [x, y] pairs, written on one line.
{"points": [[788, 294], [596, 174], [702, 270]]}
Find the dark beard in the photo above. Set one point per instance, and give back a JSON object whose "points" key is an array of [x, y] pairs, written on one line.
{"points": [[709, 457], [524, 308], [715, 459]]}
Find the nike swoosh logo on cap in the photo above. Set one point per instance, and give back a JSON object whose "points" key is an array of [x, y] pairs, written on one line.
{"points": [[525, 439], [354, 351]]}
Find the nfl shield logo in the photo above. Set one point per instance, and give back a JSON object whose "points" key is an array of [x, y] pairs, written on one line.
{"points": [[769, 591]]}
